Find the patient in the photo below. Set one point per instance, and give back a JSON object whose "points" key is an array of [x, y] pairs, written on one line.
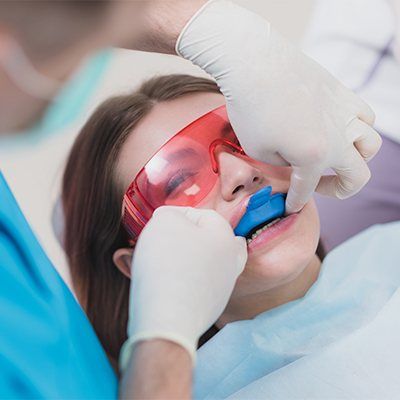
{"points": [[273, 317], [111, 149]]}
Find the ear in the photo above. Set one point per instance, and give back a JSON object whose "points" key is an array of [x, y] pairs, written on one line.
{"points": [[123, 260]]}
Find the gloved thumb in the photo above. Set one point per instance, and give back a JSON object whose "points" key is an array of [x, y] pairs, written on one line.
{"points": [[206, 218], [242, 253], [187, 214]]}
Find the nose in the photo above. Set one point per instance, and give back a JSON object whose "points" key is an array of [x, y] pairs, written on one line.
{"points": [[238, 176]]}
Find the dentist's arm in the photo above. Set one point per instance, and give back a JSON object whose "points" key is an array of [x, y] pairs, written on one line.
{"points": [[156, 24], [158, 369], [184, 269], [284, 107]]}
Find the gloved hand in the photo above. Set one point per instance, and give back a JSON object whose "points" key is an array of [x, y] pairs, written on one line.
{"points": [[284, 107], [184, 269]]}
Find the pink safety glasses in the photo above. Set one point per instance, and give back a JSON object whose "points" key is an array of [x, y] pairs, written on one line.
{"points": [[182, 172]]}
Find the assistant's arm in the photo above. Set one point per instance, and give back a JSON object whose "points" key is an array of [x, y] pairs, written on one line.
{"points": [[158, 369], [184, 269]]}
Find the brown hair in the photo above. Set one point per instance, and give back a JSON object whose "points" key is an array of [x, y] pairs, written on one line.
{"points": [[92, 202]]}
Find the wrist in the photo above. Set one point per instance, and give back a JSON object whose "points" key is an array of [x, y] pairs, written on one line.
{"points": [[158, 368], [163, 22], [173, 341], [217, 52]]}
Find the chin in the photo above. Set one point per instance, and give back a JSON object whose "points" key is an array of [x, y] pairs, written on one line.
{"points": [[278, 263], [276, 267]]}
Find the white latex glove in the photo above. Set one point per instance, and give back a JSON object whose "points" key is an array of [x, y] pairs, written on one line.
{"points": [[284, 107], [184, 269]]}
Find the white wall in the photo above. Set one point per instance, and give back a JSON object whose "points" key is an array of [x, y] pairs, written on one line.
{"points": [[34, 174]]}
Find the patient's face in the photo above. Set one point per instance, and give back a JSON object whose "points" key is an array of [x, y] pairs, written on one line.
{"points": [[282, 252]]}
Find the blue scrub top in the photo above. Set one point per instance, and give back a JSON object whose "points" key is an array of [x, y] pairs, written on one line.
{"points": [[48, 348]]}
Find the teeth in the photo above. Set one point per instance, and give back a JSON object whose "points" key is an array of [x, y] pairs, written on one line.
{"points": [[264, 228]]}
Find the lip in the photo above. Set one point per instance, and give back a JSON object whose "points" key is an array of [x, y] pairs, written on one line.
{"points": [[273, 233]]}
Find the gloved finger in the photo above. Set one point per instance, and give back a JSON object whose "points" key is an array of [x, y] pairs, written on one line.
{"points": [[191, 214], [215, 222], [350, 178], [365, 112], [303, 182], [205, 218], [366, 140], [169, 216], [275, 158], [242, 253], [170, 211]]}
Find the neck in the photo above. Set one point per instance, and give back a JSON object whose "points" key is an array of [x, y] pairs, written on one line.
{"points": [[248, 307]]}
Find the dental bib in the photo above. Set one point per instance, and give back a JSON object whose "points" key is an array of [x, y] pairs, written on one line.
{"points": [[261, 208], [339, 341]]}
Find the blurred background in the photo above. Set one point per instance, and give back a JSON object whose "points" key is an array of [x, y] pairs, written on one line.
{"points": [[35, 175]]}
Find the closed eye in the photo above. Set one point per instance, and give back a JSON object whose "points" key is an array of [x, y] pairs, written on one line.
{"points": [[177, 180]]}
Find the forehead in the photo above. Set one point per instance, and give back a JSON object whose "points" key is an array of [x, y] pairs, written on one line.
{"points": [[161, 124]]}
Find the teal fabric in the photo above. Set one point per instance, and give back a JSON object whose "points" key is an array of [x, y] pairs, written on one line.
{"points": [[48, 348], [341, 340], [66, 107]]}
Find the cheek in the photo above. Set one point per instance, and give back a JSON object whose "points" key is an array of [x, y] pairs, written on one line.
{"points": [[285, 261], [213, 201]]}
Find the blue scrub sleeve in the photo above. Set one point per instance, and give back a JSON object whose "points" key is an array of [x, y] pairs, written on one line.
{"points": [[48, 348]]}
